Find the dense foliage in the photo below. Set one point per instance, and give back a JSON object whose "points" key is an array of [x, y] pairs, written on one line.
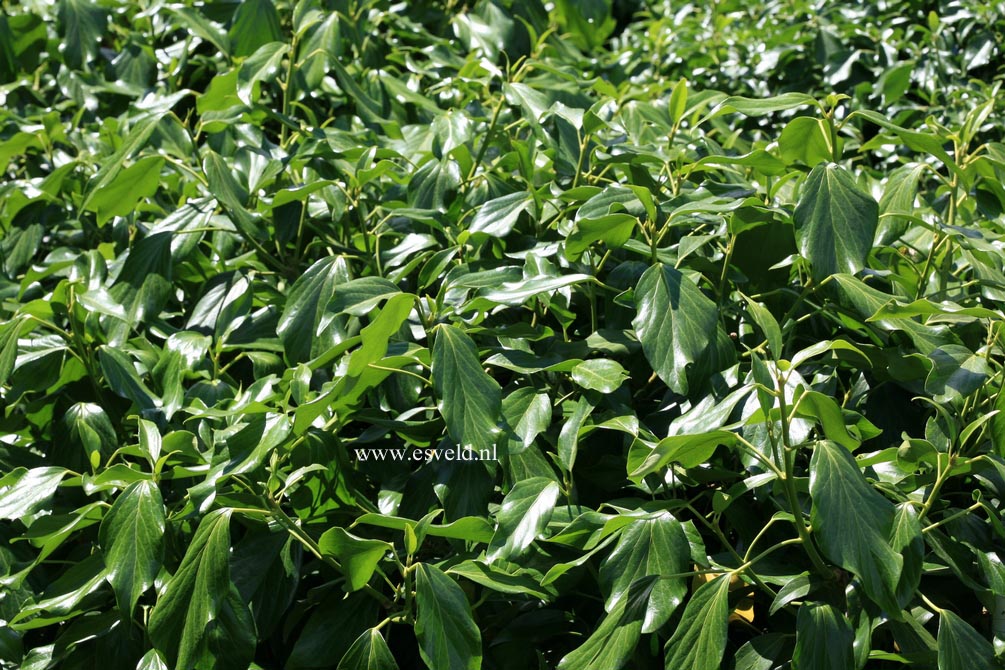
{"points": [[502, 334]]}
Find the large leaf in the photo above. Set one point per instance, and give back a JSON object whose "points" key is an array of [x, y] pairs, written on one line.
{"points": [[960, 646], [823, 639], [138, 181], [132, 542], [448, 636], [649, 547], [256, 23], [700, 639], [498, 216], [835, 222], [23, 491], [853, 523], [195, 595], [81, 23], [613, 641], [470, 400], [523, 516], [306, 327], [676, 324]]}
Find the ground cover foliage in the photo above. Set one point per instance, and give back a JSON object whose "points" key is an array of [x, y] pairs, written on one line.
{"points": [[719, 285]]}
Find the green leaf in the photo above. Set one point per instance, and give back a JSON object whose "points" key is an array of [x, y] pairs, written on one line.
{"points": [[676, 325], [599, 374], [448, 636], [805, 139], [121, 377], [306, 327], [688, 450], [24, 492], [700, 639], [359, 556], [368, 652], [960, 646], [956, 373], [823, 639], [498, 216], [195, 594], [523, 516], [654, 546], [376, 335], [132, 542], [527, 414], [853, 523], [133, 184], [256, 23], [835, 222], [233, 196], [766, 321], [90, 428], [81, 25], [613, 641], [262, 65], [470, 400]]}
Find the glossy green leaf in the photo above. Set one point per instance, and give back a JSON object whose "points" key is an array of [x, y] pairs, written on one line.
{"points": [[368, 652], [498, 216], [132, 542], [133, 184], [852, 523], [700, 639], [470, 400], [195, 594], [599, 375], [447, 634], [23, 491], [835, 222], [676, 325], [306, 327], [611, 644], [823, 639], [960, 646], [523, 516], [255, 23], [654, 546]]}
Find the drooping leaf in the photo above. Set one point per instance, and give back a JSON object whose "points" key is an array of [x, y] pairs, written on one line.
{"points": [[368, 652], [823, 639]]}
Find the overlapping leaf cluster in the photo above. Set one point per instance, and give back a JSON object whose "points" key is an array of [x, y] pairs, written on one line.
{"points": [[501, 334]]}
